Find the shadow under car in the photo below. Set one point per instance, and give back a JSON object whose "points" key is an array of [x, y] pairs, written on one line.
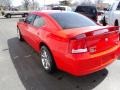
{"points": [[33, 77]]}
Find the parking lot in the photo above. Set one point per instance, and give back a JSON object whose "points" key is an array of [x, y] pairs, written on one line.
{"points": [[20, 68]]}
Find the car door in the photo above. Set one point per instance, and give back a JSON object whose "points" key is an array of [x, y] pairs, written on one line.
{"points": [[27, 24], [34, 31]]}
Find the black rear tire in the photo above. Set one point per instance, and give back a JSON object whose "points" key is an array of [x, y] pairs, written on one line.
{"points": [[20, 37], [116, 24], [8, 16], [48, 65]]}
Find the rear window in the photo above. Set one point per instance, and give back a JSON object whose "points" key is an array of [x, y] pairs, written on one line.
{"points": [[68, 20], [86, 9]]}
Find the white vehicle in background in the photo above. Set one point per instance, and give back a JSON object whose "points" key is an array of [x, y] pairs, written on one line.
{"points": [[63, 8], [9, 14], [112, 15]]}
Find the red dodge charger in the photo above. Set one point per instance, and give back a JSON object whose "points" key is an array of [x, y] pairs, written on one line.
{"points": [[69, 41]]}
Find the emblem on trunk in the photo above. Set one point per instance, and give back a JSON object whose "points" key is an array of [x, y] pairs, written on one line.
{"points": [[92, 49]]}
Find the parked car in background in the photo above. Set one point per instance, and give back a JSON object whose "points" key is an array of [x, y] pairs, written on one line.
{"points": [[112, 15], [63, 8], [69, 41], [89, 11], [9, 14]]}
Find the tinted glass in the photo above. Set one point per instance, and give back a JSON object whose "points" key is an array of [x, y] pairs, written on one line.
{"points": [[38, 22], [30, 19], [86, 9], [69, 20], [118, 8]]}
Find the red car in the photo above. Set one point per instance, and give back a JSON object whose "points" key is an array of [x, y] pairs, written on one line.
{"points": [[69, 41]]}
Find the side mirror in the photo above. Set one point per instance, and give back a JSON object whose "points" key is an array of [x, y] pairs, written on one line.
{"points": [[22, 20]]}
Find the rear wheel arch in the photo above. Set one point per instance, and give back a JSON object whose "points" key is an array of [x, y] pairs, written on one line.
{"points": [[44, 44]]}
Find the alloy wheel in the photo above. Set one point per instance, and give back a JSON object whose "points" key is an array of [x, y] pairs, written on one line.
{"points": [[45, 59]]}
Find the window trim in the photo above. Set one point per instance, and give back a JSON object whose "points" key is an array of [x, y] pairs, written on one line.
{"points": [[33, 19], [66, 28]]}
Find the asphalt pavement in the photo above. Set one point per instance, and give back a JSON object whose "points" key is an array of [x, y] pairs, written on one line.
{"points": [[20, 68]]}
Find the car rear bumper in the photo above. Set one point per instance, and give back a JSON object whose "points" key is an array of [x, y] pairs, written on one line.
{"points": [[78, 66], [92, 65]]}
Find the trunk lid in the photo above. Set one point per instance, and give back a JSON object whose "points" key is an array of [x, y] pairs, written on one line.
{"points": [[102, 42], [98, 38]]}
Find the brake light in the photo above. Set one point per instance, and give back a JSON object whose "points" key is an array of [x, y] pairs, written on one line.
{"points": [[78, 45]]}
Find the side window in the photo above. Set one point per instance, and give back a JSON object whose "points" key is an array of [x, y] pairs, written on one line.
{"points": [[118, 8], [30, 19], [38, 22]]}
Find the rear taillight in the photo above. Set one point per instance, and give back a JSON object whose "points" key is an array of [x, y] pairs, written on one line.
{"points": [[78, 44]]}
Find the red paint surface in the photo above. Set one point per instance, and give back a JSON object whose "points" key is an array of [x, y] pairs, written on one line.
{"points": [[61, 42]]}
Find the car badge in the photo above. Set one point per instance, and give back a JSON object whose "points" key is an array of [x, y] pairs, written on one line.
{"points": [[93, 49]]}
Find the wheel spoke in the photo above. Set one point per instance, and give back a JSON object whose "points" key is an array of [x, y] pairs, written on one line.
{"points": [[48, 64], [42, 55]]}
